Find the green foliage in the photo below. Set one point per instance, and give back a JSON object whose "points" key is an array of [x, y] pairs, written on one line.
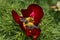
{"points": [[9, 30]]}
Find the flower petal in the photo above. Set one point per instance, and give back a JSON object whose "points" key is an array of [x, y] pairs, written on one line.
{"points": [[25, 12], [37, 13], [15, 16], [35, 33]]}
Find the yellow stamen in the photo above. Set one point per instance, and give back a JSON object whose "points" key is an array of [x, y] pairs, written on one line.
{"points": [[30, 22]]}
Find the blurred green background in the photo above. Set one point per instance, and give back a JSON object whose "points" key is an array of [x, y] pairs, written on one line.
{"points": [[9, 30]]}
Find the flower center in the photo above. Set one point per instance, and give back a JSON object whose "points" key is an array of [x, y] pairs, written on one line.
{"points": [[28, 22]]}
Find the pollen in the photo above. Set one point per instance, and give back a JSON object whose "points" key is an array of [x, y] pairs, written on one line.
{"points": [[30, 22], [30, 19]]}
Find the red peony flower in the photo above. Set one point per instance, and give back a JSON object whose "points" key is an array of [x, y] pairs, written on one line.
{"points": [[30, 20]]}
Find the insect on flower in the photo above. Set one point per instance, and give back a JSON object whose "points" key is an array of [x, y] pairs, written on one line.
{"points": [[30, 20]]}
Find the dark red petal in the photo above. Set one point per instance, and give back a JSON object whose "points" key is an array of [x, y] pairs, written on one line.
{"points": [[15, 16], [38, 13], [25, 12], [33, 32], [28, 33], [36, 32]]}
